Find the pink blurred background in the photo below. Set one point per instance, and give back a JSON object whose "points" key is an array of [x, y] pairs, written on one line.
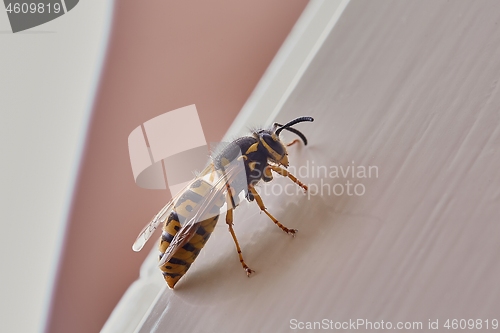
{"points": [[161, 56]]}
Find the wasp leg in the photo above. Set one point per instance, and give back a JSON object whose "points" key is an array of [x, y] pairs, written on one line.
{"points": [[229, 221], [264, 209], [267, 176], [285, 173], [292, 143]]}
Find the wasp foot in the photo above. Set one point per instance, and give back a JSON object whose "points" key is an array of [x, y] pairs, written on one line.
{"points": [[249, 271], [291, 232]]}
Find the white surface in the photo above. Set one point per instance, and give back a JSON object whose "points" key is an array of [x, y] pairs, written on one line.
{"points": [[408, 87], [315, 23], [292, 56], [49, 75]]}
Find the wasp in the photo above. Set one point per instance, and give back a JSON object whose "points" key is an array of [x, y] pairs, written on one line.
{"points": [[232, 174]]}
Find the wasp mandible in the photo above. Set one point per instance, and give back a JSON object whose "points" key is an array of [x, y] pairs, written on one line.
{"points": [[190, 217]]}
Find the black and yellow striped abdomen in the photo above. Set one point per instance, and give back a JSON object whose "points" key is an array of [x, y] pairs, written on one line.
{"points": [[185, 208]]}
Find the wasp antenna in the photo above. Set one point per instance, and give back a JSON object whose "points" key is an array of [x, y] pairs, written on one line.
{"points": [[293, 122], [302, 136], [288, 127]]}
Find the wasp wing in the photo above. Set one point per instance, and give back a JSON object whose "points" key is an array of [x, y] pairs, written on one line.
{"points": [[184, 235], [162, 215], [150, 228]]}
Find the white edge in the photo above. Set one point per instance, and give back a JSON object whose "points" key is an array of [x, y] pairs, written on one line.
{"points": [[288, 66], [92, 92]]}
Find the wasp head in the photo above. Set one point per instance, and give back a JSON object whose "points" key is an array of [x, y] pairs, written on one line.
{"points": [[270, 140]]}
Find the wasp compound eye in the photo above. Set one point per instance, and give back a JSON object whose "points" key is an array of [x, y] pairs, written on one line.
{"points": [[273, 144]]}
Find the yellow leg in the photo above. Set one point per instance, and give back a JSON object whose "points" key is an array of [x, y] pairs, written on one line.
{"points": [[292, 143], [229, 221], [263, 208], [285, 173]]}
